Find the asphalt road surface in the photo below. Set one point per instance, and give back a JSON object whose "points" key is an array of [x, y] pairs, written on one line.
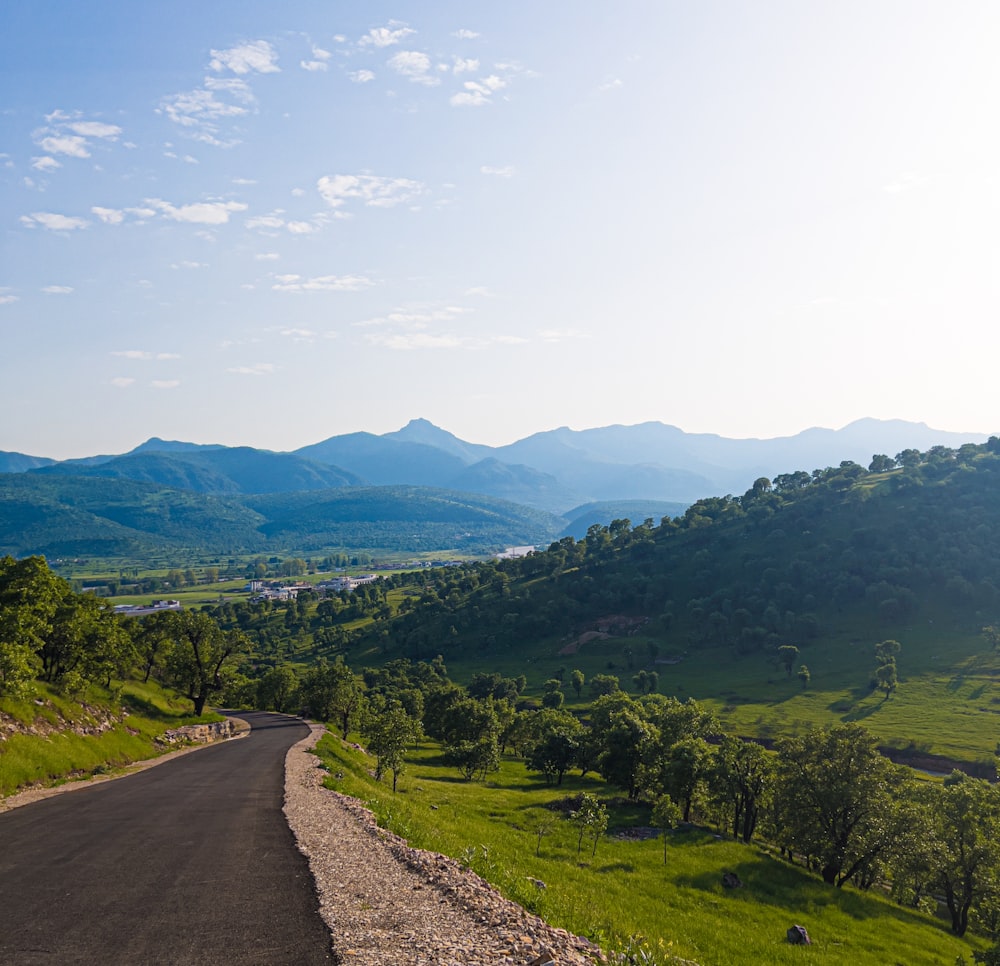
{"points": [[190, 862]]}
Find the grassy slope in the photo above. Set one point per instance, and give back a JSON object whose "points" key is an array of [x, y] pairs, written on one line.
{"points": [[52, 756], [680, 908]]}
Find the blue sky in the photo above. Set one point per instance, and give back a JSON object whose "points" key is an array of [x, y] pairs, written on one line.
{"points": [[265, 224]]}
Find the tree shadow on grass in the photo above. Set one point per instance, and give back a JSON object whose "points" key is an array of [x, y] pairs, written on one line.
{"points": [[615, 867]]}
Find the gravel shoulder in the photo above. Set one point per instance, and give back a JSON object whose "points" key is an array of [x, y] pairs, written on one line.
{"points": [[387, 904]]}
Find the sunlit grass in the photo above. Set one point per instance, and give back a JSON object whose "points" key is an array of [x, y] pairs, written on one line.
{"points": [[680, 908]]}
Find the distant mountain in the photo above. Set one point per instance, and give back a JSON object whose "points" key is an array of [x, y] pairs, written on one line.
{"points": [[213, 470], [20, 463], [156, 445], [521, 484], [426, 433], [384, 461]]}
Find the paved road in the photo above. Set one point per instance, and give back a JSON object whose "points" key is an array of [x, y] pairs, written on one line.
{"points": [[190, 862]]}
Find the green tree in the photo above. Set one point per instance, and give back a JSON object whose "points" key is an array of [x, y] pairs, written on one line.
{"points": [[276, 689], [332, 692], [787, 655], [804, 676], [836, 800], [30, 595], [390, 733], [666, 815], [592, 819], [199, 650], [741, 780], [577, 680], [601, 684], [554, 745]]}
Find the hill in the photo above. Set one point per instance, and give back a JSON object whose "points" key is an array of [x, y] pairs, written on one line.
{"points": [[93, 515], [829, 563]]}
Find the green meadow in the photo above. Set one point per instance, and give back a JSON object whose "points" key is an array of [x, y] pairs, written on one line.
{"points": [[624, 893]]}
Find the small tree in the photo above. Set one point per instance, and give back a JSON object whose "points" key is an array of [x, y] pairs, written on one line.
{"points": [[390, 733], [804, 676], [666, 815], [577, 680], [592, 819], [787, 655]]}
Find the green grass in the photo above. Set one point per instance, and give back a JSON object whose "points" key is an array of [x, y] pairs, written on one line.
{"points": [[679, 908], [51, 757]]}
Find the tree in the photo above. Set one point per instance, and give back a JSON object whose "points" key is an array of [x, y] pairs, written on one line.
{"points": [[965, 823], [331, 691], [29, 598], [787, 654], [804, 676], [627, 744], [601, 684], [276, 688], [592, 819], [686, 770], [199, 650], [741, 779], [577, 680], [665, 816], [836, 800], [554, 745], [390, 733]]}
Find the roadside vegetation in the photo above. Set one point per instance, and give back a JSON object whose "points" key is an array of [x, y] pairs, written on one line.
{"points": [[738, 676]]}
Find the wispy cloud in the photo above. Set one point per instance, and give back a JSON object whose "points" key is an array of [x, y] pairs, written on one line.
{"points": [[45, 163], [267, 256], [165, 383], [52, 221], [465, 34], [370, 190], [69, 144], [386, 36], [408, 341], [199, 212], [258, 56], [6, 298], [415, 66], [463, 65], [321, 283], [905, 182], [122, 382], [145, 355], [361, 76], [505, 172], [58, 290], [561, 335], [478, 92], [259, 369], [69, 135]]}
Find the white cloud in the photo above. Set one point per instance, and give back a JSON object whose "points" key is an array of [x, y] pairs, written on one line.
{"points": [[165, 383], [188, 264], [480, 291], [199, 213], [57, 290], [133, 354], [69, 144], [321, 283], [370, 190], [243, 182], [258, 56], [52, 221], [313, 65], [260, 369], [386, 36], [407, 341], [45, 164], [265, 221], [465, 34], [361, 76], [299, 335], [122, 382], [95, 129], [505, 172], [110, 216], [199, 112], [267, 256], [462, 65], [6, 299], [414, 66], [561, 335], [612, 85], [301, 227], [478, 93]]}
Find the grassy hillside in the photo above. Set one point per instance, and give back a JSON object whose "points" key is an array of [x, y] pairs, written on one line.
{"points": [[624, 890]]}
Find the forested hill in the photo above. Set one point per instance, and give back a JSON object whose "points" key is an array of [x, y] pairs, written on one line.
{"points": [[59, 516], [750, 572]]}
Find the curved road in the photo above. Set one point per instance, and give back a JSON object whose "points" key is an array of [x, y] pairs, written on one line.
{"points": [[190, 862]]}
